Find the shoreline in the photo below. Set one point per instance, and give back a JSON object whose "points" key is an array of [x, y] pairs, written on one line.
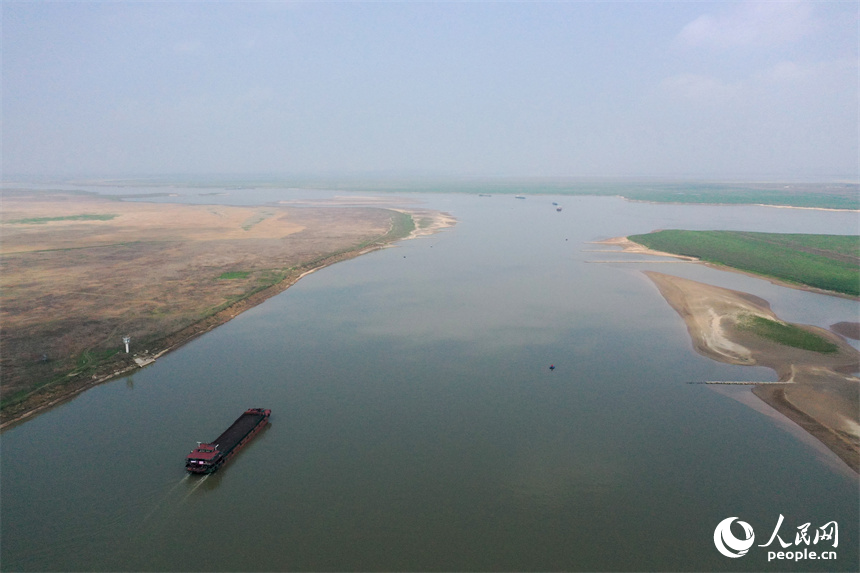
{"points": [[178, 339], [628, 246], [739, 205], [836, 441], [815, 390], [21, 412]]}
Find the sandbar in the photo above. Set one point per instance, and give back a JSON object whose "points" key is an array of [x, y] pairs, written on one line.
{"points": [[816, 390], [847, 329]]}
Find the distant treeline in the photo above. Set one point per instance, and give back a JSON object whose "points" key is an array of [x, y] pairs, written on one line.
{"points": [[821, 195], [808, 195], [828, 262]]}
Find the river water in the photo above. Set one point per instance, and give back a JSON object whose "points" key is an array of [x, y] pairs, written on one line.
{"points": [[416, 425]]}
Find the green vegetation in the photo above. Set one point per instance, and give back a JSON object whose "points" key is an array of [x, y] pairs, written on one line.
{"points": [[401, 225], [786, 334], [842, 196], [91, 358], [235, 275], [256, 219], [271, 277], [827, 262], [43, 220]]}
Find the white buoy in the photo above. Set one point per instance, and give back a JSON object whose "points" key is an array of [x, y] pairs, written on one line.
{"points": [[126, 340]]}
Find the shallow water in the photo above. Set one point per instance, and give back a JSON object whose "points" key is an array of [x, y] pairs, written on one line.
{"points": [[416, 425]]}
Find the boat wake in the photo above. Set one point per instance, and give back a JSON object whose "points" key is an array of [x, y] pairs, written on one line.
{"points": [[172, 493], [194, 487]]}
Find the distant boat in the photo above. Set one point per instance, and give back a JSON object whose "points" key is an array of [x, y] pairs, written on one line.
{"points": [[552, 366], [520, 196], [554, 203], [558, 209]]}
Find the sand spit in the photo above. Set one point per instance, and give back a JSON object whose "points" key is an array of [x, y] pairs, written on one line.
{"points": [[847, 329], [818, 391], [628, 246], [428, 222]]}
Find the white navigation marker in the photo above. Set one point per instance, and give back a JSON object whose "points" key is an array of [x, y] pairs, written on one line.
{"points": [[126, 340]]}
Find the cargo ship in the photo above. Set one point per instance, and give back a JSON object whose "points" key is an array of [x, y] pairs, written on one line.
{"points": [[207, 458]]}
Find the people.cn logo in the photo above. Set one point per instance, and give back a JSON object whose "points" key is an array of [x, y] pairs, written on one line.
{"points": [[727, 543], [731, 546]]}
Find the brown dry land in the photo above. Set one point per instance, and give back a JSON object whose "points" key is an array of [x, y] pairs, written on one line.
{"points": [[78, 272], [819, 393]]}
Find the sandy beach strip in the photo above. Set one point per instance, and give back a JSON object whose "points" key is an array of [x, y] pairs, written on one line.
{"points": [[628, 246]]}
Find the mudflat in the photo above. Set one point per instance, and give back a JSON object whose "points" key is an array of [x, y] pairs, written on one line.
{"points": [[80, 272], [817, 389]]}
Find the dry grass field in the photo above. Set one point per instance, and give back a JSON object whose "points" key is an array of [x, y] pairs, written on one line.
{"points": [[79, 272]]}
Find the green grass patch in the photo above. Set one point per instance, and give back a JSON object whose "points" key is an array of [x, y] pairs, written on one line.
{"points": [[402, 224], [271, 277], [828, 262], [230, 275], [43, 220], [91, 358], [786, 334], [256, 219]]}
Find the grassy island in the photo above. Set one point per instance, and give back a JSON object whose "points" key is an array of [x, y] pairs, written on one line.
{"points": [[826, 262]]}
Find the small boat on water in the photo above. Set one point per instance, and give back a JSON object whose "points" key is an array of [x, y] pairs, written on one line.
{"points": [[559, 209]]}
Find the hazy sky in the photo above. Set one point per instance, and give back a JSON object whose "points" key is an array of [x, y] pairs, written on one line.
{"points": [[683, 89]]}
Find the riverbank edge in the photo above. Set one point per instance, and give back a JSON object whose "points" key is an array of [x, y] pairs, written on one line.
{"points": [[718, 204], [173, 341], [628, 246], [177, 339]]}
